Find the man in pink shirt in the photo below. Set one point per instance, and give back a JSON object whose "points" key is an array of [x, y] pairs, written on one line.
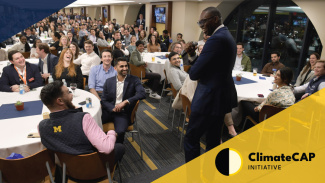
{"points": [[71, 131]]}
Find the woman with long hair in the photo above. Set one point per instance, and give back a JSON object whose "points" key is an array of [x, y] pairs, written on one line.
{"points": [[132, 46], [143, 37], [307, 73], [64, 43], [101, 40], [41, 32], [75, 50], [33, 53], [153, 45], [118, 50], [66, 69]]}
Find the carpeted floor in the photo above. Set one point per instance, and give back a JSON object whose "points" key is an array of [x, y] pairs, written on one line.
{"points": [[160, 144]]}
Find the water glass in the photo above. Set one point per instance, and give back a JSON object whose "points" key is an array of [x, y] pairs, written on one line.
{"points": [[73, 87]]}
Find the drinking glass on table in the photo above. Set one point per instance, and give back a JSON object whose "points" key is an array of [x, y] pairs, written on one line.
{"points": [[254, 71], [73, 87]]}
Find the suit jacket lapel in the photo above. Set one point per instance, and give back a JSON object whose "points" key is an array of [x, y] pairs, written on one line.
{"points": [[28, 73], [16, 75], [126, 82], [113, 88], [41, 65]]}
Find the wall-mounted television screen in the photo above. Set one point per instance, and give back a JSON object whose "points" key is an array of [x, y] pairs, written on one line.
{"points": [[160, 15]]}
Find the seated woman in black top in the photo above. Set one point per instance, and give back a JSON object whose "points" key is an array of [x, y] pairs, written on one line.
{"points": [[64, 43], [118, 50], [66, 69], [56, 38]]}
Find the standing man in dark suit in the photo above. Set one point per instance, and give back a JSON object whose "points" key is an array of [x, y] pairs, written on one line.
{"points": [[120, 94], [47, 61], [19, 72], [215, 94], [141, 21]]}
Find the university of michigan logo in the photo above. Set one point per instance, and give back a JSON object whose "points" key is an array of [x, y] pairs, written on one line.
{"points": [[229, 161], [57, 129]]}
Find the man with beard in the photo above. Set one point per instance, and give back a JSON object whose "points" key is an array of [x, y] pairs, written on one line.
{"points": [[120, 94], [70, 131], [215, 94]]}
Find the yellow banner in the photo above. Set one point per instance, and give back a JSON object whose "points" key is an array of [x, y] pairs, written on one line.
{"points": [[288, 147]]}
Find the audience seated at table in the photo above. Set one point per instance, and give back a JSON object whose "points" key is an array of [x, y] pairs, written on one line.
{"points": [[75, 50], [41, 32], [88, 59], [47, 61], [175, 47], [143, 37], [100, 73], [75, 132], [175, 75], [118, 50], [315, 84], [108, 33], [101, 41], [56, 38], [243, 62], [19, 72], [274, 64], [153, 45], [307, 73], [117, 35], [120, 94], [66, 69], [29, 36], [282, 96], [154, 78], [71, 38], [127, 37], [33, 53], [132, 46], [21, 46], [92, 37], [64, 44]]}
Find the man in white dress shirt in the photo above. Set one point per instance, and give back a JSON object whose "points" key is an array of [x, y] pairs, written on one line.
{"points": [[88, 59]]}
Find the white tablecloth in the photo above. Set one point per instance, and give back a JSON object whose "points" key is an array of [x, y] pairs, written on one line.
{"points": [[14, 131], [249, 92], [46, 40], [158, 65]]}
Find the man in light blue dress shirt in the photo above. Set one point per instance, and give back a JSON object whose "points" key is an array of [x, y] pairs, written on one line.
{"points": [[98, 74]]}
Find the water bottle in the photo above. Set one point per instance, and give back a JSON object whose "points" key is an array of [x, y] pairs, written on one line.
{"points": [[50, 79], [21, 89], [64, 83]]}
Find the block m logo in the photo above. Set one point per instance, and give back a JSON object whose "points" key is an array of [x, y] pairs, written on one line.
{"points": [[57, 129]]}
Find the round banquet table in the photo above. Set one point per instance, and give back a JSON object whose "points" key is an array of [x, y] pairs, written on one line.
{"points": [[14, 131], [248, 89]]}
